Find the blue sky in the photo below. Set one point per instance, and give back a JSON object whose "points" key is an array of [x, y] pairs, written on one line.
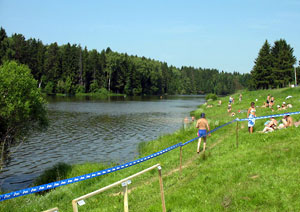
{"points": [[226, 35]]}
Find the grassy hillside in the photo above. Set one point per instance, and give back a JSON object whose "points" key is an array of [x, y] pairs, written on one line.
{"points": [[260, 175]]}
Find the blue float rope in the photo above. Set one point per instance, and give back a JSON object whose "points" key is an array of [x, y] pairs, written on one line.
{"points": [[270, 116], [82, 177], [48, 186]]}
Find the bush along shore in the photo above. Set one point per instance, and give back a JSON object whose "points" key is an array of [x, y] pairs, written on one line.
{"points": [[258, 175]]}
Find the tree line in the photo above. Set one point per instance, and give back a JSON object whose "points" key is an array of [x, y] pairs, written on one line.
{"points": [[72, 69], [274, 66]]}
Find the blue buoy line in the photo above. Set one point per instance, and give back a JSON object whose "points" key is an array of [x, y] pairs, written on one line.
{"points": [[56, 184]]}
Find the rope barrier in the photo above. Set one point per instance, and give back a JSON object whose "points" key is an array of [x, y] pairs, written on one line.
{"points": [[56, 184], [270, 116], [83, 177]]}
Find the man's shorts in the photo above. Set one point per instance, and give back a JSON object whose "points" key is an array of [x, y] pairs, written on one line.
{"points": [[202, 133]]}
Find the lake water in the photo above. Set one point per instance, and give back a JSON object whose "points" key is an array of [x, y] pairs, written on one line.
{"points": [[84, 129]]}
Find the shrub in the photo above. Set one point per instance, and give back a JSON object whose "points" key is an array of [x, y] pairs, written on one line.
{"points": [[80, 89], [49, 88], [103, 92], [60, 88], [94, 87], [211, 96]]}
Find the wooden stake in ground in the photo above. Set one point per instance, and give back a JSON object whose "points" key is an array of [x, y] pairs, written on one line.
{"points": [[237, 134], [125, 185], [52, 210], [161, 190], [180, 166]]}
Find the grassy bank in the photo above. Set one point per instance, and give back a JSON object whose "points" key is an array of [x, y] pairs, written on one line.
{"points": [[259, 175]]}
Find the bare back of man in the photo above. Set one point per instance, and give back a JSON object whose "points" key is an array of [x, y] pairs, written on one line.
{"points": [[202, 124]]}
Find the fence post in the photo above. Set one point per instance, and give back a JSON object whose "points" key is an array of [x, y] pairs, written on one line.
{"points": [[161, 189], [237, 134], [75, 207], [125, 185], [180, 166], [51, 210]]}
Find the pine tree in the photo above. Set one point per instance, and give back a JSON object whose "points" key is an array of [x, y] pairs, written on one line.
{"points": [[262, 71], [52, 67], [283, 61], [2, 44]]}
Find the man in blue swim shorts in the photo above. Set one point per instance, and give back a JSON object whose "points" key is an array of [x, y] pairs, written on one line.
{"points": [[203, 127]]}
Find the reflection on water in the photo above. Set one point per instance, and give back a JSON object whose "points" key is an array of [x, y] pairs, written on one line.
{"points": [[95, 130]]}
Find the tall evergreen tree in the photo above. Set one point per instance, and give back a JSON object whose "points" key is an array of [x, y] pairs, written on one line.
{"points": [[283, 62], [3, 46], [52, 65], [262, 71]]}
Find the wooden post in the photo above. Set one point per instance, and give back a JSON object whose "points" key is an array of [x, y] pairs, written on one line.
{"points": [[51, 210], [180, 166], [126, 198], [161, 190], [237, 134], [74, 204]]}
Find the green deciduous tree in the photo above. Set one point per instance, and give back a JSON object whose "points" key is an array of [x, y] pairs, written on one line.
{"points": [[22, 106]]}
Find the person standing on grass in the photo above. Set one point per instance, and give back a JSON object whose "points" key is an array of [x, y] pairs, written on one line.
{"points": [[203, 128], [230, 99], [251, 117]]}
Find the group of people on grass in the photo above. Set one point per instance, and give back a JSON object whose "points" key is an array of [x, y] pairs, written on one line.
{"points": [[231, 101], [271, 101], [271, 125]]}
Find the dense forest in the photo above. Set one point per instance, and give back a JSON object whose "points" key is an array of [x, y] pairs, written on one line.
{"points": [[72, 69], [274, 66]]}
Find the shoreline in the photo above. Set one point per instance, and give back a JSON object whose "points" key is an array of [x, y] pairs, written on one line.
{"points": [[11, 179], [226, 172]]}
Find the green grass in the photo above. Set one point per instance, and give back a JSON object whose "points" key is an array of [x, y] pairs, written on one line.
{"points": [[260, 175]]}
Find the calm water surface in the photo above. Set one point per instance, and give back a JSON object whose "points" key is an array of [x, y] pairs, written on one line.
{"points": [[84, 130]]}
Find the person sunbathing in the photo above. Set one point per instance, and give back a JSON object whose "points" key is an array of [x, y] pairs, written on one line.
{"points": [[265, 105], [297, 123], [287, 121], [272, 101], [229, 108], [278, 107], [283, 106], [270, 126]]}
